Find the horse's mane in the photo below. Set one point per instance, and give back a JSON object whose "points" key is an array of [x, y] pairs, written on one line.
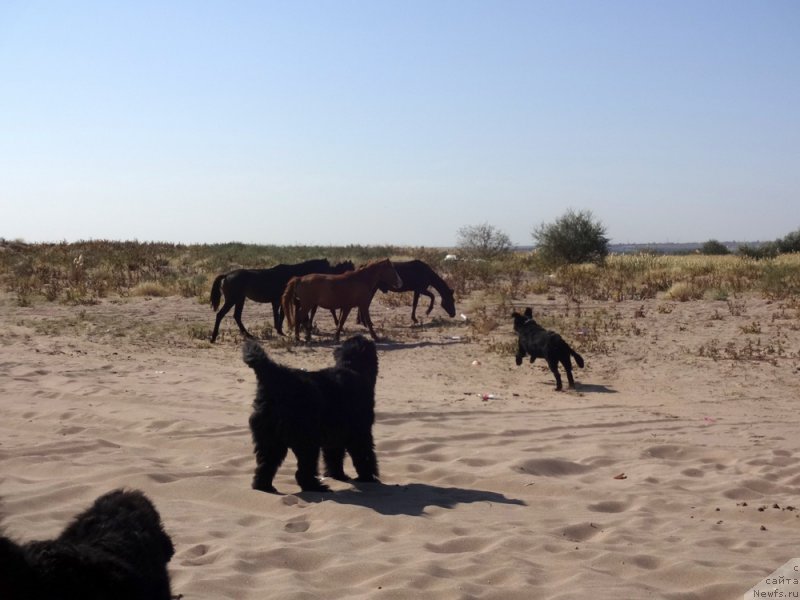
{"points": [[372, 263]]}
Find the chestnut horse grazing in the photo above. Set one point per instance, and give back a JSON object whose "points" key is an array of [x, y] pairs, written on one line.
{"points": [[347, 291]]}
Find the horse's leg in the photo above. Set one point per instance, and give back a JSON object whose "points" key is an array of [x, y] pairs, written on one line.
{"points": [[414, 306], [309, 321], [221, 313], [429, 295], [364, 310], [237, 315], [277, 317], [342, 319], [311, 314], [297, 318]]}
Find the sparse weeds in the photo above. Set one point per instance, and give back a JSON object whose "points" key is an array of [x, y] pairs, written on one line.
{"points": [[752, 328], [737, 307], [88, 270]]}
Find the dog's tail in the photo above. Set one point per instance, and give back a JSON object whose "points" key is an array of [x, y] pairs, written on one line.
{"points": [[255, 358], [578, 358], [287, 302], [216, 291]]}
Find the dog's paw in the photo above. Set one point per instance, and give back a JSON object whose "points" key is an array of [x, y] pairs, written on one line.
{"points": [[339, 476], [269, 489], [317, 487], [518, 360]]}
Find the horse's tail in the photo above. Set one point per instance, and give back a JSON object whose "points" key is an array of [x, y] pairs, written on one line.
{"points": [[216, 291], [578, 358], [287, 302]]}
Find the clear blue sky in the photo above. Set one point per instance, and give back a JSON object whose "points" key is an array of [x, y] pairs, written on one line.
{"points": [[397, 122]]}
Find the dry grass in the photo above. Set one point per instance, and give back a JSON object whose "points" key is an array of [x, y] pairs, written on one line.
{"points": [[84, 272]]}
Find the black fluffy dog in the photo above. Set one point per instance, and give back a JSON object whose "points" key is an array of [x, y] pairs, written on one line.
{"points": [[116, 549], [542, 343], [332, 409]]}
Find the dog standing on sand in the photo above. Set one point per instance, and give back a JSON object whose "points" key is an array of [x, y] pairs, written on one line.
{"points": [[332, 409], [539, 342]]}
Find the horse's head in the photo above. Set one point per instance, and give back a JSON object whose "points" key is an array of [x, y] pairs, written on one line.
{"points": [[449, 303], [343, 267]]}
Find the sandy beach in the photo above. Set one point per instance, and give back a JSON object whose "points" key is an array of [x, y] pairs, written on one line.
{"points": [[672, 471]]}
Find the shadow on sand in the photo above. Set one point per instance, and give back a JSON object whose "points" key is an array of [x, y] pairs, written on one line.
{"points": [[411, 499], [593, 388]]}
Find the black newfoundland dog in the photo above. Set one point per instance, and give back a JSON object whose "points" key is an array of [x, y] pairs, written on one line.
{"points": [[115, 549], [332, 409], [539, 342]]}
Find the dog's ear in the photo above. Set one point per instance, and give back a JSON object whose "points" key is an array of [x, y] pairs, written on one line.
{"points": [[515, 314], [529, 313]]}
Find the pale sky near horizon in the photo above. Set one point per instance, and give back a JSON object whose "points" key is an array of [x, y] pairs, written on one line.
{"points": [[378, 122]]}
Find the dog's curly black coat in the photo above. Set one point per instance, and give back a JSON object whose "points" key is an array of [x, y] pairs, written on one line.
{"points": [[332, 409], [115, 549], [539, 342]]}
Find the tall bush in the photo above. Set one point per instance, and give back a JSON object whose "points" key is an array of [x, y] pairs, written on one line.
{"points": [[575, 237]]}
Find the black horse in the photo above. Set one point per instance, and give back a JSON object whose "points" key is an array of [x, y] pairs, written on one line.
{"points": [[417, 277], [262, 285]]}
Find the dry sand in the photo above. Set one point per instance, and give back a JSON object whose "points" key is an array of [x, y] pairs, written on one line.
{"points": [[519, 496]]}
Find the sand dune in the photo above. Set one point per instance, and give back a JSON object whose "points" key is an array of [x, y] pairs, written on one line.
{"points": [[672, 472]]}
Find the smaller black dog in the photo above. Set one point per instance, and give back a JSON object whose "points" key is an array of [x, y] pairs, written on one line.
{"points": [[332, 409], [542, 343], [115, 549]]}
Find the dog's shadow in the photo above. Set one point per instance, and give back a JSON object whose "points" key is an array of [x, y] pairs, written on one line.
{"points": [[411, 499], [594, 388]]}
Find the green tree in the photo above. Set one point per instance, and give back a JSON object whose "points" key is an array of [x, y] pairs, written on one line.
{"points": [[789, 243], [575, 237], [483, 241], [714, 247]]}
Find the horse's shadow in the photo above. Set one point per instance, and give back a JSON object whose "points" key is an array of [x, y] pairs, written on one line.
{"points": [[382, 344], [411, 499], [389, 344]]}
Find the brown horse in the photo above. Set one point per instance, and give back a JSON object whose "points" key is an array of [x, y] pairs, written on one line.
{"points": [[347, 291]]}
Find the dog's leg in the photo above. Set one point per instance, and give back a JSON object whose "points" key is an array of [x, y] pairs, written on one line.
{"points": [[268, 459], [553, 364], [520, 354], [307, 475], [362, 452], [334, 463]]}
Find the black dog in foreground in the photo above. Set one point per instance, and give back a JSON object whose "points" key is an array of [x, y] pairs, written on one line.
{"points": [[115, 549], [332, 409], [542, 343]]}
